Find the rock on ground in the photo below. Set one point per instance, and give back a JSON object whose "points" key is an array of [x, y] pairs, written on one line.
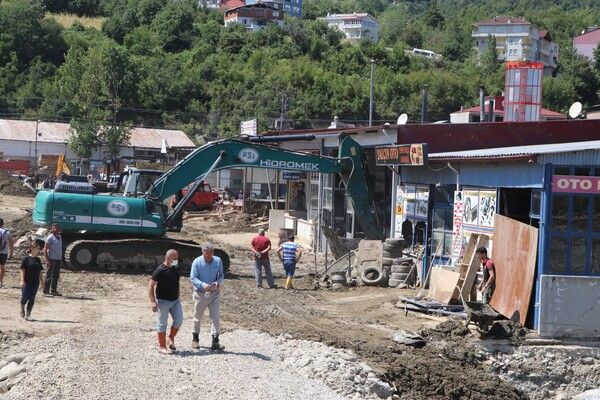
{"points": [[122, 362]]}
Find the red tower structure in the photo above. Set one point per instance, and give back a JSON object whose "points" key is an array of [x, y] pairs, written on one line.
{"points": [[523, 91]]}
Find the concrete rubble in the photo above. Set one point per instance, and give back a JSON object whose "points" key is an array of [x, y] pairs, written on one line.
{"points": [[338, 368]]}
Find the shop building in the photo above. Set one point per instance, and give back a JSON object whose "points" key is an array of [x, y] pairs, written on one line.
{"points": [[543, 175]]}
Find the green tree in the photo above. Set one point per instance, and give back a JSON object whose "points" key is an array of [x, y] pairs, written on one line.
{"points": [[434, 17], [489, 57], [413, 36]]}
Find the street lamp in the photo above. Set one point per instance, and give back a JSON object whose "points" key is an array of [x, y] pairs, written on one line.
{"points": [[371, 93]]}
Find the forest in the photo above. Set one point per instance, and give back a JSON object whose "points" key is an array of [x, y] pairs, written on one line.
{"points": [[160, 63]]}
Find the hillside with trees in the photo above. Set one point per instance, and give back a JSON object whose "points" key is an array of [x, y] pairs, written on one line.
{"points": [[169, 63]]}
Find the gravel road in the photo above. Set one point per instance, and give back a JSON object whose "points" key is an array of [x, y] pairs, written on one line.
{"points": [[85, 367]]}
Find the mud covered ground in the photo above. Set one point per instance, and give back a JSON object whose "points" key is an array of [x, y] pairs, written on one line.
{"points": [[452, 365]]}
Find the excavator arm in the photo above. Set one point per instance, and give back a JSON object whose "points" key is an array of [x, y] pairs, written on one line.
{"points": [[231, 153]]}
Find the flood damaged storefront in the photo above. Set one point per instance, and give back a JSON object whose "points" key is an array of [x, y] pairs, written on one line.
{"points": [[538, 209]]}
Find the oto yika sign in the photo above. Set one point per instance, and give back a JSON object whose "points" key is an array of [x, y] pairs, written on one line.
{"points": [[576, 184]]}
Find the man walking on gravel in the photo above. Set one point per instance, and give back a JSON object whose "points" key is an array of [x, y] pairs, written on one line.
{"points": [[6, 250], [207, 277], [53, 253], [261, 245], [163, 291], [289, 253]]}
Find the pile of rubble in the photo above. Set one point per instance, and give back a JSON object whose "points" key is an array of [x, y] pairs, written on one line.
{"points": [[12, 186], [229, 220], [14, 367]]}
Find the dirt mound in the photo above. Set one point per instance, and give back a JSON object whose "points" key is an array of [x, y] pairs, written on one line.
{"points": [[507, 330], [11, 186], [446, 330]]}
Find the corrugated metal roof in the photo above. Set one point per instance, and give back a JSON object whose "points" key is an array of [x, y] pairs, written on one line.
{"points": [[501, 152], [56, 132]]}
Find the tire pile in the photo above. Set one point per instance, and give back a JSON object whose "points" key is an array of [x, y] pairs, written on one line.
{"points": [[399, 268]]}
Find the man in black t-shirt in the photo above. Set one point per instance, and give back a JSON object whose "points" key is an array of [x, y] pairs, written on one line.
{"points": [[163, 291], [31, 278]]}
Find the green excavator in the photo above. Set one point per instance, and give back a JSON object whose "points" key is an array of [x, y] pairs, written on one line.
{"points": [[127, 231]]}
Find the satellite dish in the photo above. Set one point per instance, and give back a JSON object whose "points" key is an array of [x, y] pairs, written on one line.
{"points": [[402, 119], [575, 110]]}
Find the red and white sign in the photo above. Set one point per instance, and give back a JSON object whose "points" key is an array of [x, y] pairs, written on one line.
{"points": [[576, 184], [457, 234]]}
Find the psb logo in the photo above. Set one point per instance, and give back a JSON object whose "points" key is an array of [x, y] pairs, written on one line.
{"points": [[248, 156], [117, 208]]}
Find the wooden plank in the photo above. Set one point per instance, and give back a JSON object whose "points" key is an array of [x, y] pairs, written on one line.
{"points": [[515, 252], [473, 266], [442, 284]]}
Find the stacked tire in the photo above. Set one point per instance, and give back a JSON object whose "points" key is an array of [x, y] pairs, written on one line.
{"points": [[392, 249], [338, 280], [402, 273]]}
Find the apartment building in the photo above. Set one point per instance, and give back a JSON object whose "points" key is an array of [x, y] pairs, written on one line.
{"points": [[254, 17], [355, 26], [517, 40], [292, 8]]}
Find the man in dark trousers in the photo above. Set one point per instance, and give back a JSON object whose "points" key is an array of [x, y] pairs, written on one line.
{"points": [[31, 277], [53, 253], [207, 278], [6, 249], [163, 291], [488, 284], [261, 245]]}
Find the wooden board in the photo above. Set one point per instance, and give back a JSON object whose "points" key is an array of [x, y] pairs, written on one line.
{"points": [[515, 253], [472, 265], [442, 284]]}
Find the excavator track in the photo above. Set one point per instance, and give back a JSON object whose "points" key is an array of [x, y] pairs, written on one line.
{"points": [[132, 256]]}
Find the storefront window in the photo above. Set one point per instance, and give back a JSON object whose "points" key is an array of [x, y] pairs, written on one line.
{"points": [[558, 255], [313, 195], [578, 255], [560, 209], [596, 256], [580, 213], [596, 214]]}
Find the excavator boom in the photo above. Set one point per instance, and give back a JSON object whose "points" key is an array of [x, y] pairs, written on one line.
{"points": [[225, 154]]}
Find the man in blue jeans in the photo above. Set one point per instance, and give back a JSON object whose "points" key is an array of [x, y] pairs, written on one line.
{"points": [[289, 253], [53, 253], [163, 291], [261, 245]]}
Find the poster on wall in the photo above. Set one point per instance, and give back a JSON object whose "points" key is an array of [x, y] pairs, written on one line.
{"points": [[471, 210], [479, 211], [487, 208], [399, 211], [422, 202], [410, 199], [457, 222]]}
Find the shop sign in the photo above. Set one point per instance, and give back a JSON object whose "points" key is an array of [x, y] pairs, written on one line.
{"points": [[457, 222], [400, 211], [292, 175], [404, 154], [576, 184]]}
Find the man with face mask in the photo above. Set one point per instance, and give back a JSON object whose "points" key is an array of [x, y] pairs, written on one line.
{"points": [[163, 291]]}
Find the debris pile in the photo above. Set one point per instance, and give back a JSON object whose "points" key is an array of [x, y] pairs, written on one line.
{"points": [[229, 220], [13, 368], [12, 186], [548, 372], [338, 368]]}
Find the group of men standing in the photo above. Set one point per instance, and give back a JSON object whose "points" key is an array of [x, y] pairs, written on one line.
{"points": [[289, 253]]}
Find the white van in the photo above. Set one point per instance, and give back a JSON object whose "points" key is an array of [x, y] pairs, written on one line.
{"points": [[424, 53]]}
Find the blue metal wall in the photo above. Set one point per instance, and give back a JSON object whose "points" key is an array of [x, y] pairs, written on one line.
{"points": [[509, 175]]}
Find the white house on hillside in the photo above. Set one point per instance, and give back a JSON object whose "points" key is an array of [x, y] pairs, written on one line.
{"points": [[355, 26]]}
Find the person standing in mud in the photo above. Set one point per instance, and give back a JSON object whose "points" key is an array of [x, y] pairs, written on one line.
{"points": [[289, 253], [488, 284], [261, 245], [31, 278], [163, 291], [53, 253], [6, 250]]}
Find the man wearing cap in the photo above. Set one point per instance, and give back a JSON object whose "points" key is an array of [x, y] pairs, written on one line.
{"points": [[207, 278], [6, 249], [261, 245]]}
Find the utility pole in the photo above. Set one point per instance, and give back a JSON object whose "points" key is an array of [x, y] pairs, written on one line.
{"points": [[424, 104], [371, 93], [37, 123]]}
